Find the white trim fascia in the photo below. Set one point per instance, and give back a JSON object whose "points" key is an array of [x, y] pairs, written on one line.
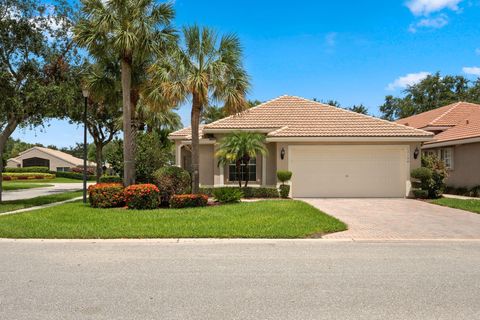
{"points": [[450, 143], [202, 141], [228, 130], [51, 155], [435, 128], [348, 139]]}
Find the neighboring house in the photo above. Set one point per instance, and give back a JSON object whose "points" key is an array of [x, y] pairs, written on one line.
{"points": [[456, 142], [332, 152], [45, 157]]}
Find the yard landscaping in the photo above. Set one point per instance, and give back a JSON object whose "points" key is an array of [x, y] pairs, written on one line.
{"points": [[7, 206], [43, 181], [11, 186], [262, 219], [467, 205]]}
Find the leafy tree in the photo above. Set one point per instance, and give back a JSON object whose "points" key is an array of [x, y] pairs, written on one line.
{"points": [[35, 59], [133, 31], [432, 92], [240, 147], [204, 68], [360, 108]]}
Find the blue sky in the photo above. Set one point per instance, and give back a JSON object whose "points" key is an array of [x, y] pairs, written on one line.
{"points": [[351, 51]]}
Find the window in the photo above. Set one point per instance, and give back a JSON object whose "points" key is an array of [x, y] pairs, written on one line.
{"points": [[63, 169], [446, 155], [252, 174]]}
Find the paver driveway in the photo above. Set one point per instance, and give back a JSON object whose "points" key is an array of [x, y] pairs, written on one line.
{"points": [[402, 219]]}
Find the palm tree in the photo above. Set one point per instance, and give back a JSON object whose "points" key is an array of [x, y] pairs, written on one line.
{"points": [[132, 31], [203, 69], [240, 147]]}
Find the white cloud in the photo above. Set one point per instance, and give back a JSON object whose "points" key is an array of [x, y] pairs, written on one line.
{"points": [[472, 70], [435, 23], [407, 80], [425, 7]]}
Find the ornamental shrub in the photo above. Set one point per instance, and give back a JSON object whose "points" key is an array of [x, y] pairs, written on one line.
{"points": [[284, 176], [420, 194], [72, 175], [111, 179], [188, 201], [172, 181], [27, 176], [142, 196], [28, 169], [106, 195], [474, 192], [284, 191], [227, 195], [248, 192]]}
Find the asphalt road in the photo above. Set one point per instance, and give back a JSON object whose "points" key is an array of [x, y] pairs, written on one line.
{"points": [[311, 279], [44, 191]]}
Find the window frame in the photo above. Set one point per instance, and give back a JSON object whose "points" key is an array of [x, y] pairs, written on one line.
{"points": [[232, 171]]}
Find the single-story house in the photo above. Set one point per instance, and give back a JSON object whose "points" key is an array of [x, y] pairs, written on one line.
{"points": [[456, 142], [45, 157], [332, 152]]}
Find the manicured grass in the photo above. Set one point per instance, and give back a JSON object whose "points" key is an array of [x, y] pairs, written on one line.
{"points": [[263, 219], [54, 180], [11, 185], [468, 205], [7, 206]]}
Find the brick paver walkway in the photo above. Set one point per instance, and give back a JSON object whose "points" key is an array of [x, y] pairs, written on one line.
{"points": [[398, 219]]}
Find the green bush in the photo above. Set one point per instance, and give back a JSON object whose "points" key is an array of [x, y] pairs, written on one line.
{"points": [[420, 194], [172, 181], [71, 175], [284, 176], [111, 179], [431, 176], [7, 176], [106, 195], [462, 191], [227, 195], [284, 191], [142, 196], [248, 192], [188, 201], [28, 169], [474, 192]]}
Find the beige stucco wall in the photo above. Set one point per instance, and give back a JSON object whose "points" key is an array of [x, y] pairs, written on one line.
{"points": [[35, 153], [466, 166]]}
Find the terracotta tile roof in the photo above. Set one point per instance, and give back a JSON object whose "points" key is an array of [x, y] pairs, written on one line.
{"points": [[289, 116], [468, 128], [446, 116], [186, 133]]}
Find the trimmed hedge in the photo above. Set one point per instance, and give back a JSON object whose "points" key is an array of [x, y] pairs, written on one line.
{"points": [[106, 195], [249, 192], [71, 175], [26, 176], [142, 196], [171, 181], [188, 201], [227, 195], [111, 179], [420, 194], [284, 191], [28, 169]]}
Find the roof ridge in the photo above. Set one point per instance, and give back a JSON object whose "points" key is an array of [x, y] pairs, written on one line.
{"points": [[453, 106], [246, 110], [363, 115]]}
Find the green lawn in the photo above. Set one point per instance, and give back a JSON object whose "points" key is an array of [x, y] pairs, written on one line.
{"points": [[468, 205], [13, 185], [7, 206], [263, 219]]}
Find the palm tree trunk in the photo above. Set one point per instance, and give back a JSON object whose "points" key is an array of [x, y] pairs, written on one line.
{"points": [[7, 132], [246, 160], [195, 121], [128, 141], [98, 160], [238, 166]]}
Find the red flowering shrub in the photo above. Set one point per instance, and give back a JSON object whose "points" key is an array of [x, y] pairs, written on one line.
{"points": [[26, 175], [106, 195], [188, 200], [7, 178], [142, 196]]}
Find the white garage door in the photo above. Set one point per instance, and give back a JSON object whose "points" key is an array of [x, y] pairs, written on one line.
{"points": [[348, 171]]}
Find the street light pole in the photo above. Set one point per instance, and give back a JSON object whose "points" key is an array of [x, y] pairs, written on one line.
{"points": [[85, 96]]}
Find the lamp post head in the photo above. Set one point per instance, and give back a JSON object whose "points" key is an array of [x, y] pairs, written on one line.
{"points": [[85, 92]]}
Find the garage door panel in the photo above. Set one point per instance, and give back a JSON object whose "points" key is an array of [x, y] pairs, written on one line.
{"points": [[348, 171]]}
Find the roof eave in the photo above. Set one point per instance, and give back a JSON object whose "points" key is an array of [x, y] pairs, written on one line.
{"points": [[452, 142], [350, 139]]}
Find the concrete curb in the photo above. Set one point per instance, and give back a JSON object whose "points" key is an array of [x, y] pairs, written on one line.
{"points": [[39, 207], [226, 241]]}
